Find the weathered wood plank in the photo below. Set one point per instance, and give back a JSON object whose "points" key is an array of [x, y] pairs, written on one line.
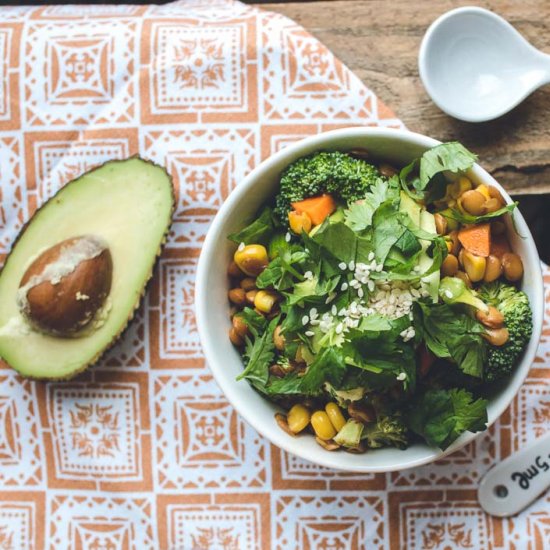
{"points": [[379, 40]]}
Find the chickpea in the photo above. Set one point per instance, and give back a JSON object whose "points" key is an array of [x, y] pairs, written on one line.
{"points": [[240, 326], [494, 193], [490, 319], [237, 296], [278, 338], [299, 222], [512, 266], [298, 418], [248, 283], [252, 259], [461, 258], [234, 271], [387, 170], [460, 186], [464, 277], [361, 413], [455, 243], [474, 266], [335, 416], [440, 224], [322, 425], [496, 336], [473, 202], [498, 227], [492, 205], [250, 297], [449, 267], [236, 340], [493, 269]]}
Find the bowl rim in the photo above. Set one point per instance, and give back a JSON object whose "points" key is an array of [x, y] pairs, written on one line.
{"points": [[273, 433]]}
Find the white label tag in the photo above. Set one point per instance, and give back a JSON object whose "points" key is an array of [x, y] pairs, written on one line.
{"points": [[517, 481]]}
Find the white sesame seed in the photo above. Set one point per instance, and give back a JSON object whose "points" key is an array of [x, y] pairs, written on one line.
{"points": [[370, 286], [448, 293], [287, 237], [339, 328], [351, 265], [305, 320], [379, 268], [370, 257], [313, 313], [344, 286], [342, 266], [308, 275], [310, 333], [401, 376], [360, 292], [241, 247]]}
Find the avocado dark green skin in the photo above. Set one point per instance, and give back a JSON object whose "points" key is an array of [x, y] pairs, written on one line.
{"points": [[120, 333]]}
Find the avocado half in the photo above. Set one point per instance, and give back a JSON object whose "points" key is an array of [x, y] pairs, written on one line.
{"points": [[128, 204]]}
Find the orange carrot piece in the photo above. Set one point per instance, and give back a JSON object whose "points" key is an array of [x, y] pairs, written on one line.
{"points": [[476, 239], [317, 208], [500, 245]]}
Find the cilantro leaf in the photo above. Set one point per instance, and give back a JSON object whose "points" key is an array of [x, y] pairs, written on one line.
{"points": [[359, 214], [425, 179], [339, 240], [258, 232], [258, 356], [328, 366], [441, 416], [469, 219], [451, 334]]}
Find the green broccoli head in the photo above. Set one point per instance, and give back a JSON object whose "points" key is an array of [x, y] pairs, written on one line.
{"points": [[387, 431], [518, 318], [339, 174]]}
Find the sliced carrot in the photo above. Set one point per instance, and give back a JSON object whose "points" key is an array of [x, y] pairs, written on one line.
{"points": [[476, 239], [500, 245], [317, 208]]}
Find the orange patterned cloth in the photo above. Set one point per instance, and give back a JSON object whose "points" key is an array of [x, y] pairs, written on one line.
{"points": [[143, 451]]}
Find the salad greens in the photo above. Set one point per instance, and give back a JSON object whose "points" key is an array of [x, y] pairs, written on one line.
{"points": [[367, 315]]}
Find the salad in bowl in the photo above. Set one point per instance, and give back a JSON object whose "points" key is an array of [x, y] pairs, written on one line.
{"points": [[376, 305]]}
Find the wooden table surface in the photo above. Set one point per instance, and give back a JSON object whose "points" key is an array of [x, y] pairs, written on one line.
{"points": [[379, 41]]}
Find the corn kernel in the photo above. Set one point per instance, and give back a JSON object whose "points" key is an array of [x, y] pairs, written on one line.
{"points": [[474, 266], [298, 418], [265, 300], [299, 222], [484, 190], [322, 425], [335, 416]]}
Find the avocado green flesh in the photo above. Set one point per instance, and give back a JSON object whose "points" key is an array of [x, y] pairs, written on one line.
{"points": [[128, 204]]}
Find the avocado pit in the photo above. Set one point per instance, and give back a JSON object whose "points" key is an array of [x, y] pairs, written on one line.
{"points": [[64, 288]]}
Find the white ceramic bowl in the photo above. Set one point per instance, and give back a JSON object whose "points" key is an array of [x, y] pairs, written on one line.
{"points": [[212, 309]]}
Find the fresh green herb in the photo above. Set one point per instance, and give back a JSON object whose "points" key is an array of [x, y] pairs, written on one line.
{"points": [[451, 334], [329, 366], [258, 355], [259, 231], [461, 217], [441, 416], [425, 178]]}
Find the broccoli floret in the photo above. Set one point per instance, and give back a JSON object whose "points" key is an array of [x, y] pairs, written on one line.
{"points": [[336, 173], [518, 319], [454, 291], [387, 431]]}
